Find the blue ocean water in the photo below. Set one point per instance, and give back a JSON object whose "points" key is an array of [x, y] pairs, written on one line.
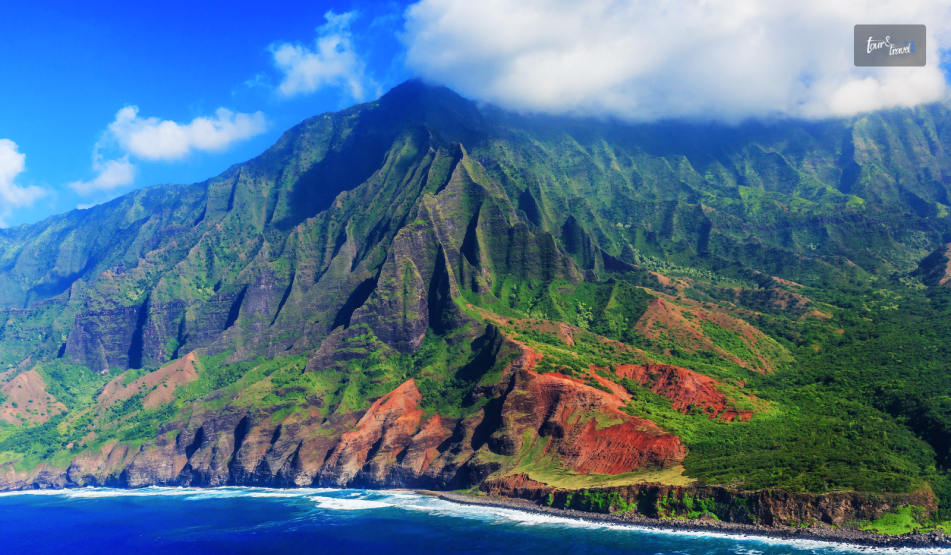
{"points": [[351, 522]]}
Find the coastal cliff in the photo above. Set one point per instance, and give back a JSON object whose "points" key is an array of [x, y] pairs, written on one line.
{"points": [[713, 503]]}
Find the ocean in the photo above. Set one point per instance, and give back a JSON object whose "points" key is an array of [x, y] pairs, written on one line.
{"points": [[351, 522]]}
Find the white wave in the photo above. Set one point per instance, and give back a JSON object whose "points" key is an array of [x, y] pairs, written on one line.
{"points": [[441, 507], [499, 515], [189, 493], [91, 493], [31, 492], [349, 504], [235, 492], [94, 493], [280, 493]]}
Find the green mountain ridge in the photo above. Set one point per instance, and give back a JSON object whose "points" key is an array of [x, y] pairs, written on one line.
{"points": [[423, 291]]}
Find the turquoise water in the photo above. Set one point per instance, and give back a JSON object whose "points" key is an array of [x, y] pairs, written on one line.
{"points": [[351, 522]]}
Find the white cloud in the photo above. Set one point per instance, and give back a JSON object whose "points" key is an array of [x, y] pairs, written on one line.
{"points": [[155, 139], [709, 59], [13, 163], [112, 174], [332, 62]]}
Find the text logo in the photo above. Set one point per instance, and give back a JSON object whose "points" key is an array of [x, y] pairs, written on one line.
{"points": [[890, 45]]}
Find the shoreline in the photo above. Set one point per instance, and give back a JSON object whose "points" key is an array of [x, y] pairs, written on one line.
{"points": [[834, 536], [848, 536]]}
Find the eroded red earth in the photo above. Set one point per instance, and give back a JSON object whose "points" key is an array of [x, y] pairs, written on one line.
{"points": [[585, 426], [685, 389]]}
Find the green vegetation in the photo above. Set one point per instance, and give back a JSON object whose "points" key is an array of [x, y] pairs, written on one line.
{"points": [[598, 502], [74, 386], [902, 521]]}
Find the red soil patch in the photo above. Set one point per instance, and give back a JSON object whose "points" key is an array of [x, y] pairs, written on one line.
{"points": [[684, 388], [160, 384], [389, 423], [615, 387], [622, 448], [661, 279], [789, 301], [943, 282], [786, 282], [566, 334], [389, 434], [819, 315], [568, 412], [682, 325], [34, 404], [432, 434]]}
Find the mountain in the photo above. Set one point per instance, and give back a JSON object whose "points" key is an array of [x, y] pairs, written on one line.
{"points": [[423, 291]]}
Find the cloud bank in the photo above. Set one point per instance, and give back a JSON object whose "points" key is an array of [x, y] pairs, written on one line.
{"points": [[722, 60], [333, 61], [155, 139], [13, 163]]}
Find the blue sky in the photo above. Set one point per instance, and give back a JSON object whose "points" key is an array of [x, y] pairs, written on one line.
{"points": [[69, 68], [100, 98]]}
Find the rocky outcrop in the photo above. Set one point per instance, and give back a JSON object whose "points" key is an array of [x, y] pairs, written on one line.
{"points": [[101, 339], [380, 435]]}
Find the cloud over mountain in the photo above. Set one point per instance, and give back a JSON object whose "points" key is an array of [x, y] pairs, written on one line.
{"points": [[112, 175], [155, 139], [333, 61], [13, 163], [720, 59]]}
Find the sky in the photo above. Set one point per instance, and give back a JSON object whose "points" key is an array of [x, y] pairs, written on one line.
{"points": [[100, 98]]}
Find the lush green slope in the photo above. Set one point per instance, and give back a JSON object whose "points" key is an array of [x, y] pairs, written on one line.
{"points": [[421, 237]]}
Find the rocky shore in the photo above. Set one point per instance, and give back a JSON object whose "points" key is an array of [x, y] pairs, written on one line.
{"points": [[820, 532]]}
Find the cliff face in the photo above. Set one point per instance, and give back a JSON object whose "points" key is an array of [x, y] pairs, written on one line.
{"points": [[769, 508], [394, 443]]}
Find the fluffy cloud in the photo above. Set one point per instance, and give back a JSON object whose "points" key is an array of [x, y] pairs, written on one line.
{"points": [[155, 139], [710, 59], [112, 174], [13, 163], [332, 62]]}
